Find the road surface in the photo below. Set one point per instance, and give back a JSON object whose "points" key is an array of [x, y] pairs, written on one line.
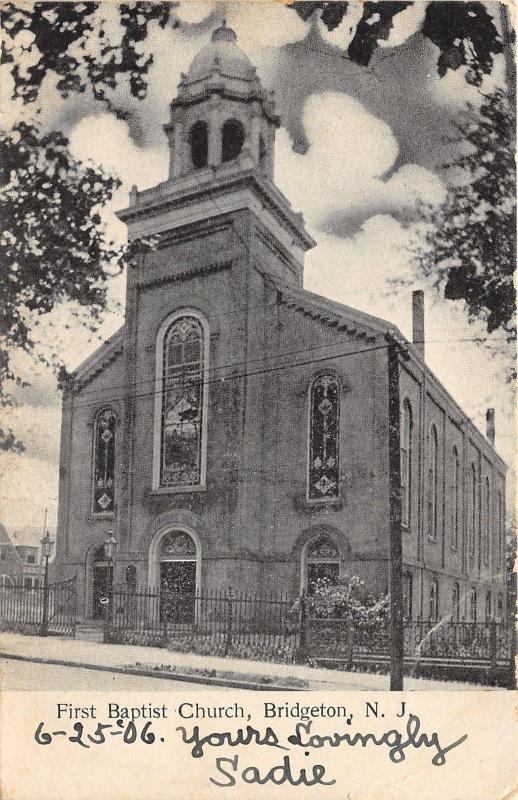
{"points": [[28, 676]]}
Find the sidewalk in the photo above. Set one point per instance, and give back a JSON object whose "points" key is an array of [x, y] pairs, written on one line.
{"points": [[148, 660]]}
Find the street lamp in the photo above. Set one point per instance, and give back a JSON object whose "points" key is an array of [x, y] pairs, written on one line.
{"points": [[109, 549], [46, 548]]}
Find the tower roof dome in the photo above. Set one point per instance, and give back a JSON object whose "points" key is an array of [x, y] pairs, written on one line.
{"points": [[224, 53]]}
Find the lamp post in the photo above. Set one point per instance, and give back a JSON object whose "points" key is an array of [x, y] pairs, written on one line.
{"points": [[46, 548], [109, 549]]}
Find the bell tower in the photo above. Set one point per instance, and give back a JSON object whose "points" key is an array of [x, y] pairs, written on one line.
{"points": [[221, 136], [221, 112]]}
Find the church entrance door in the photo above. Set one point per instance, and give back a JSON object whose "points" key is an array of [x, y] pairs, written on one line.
{"points": [[177, 591], [178, 578], [101, 586]]}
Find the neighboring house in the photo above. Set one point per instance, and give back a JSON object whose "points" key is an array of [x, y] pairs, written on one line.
{"points": [[19, 564], [235, 432], [32, 566], [11, 566]]}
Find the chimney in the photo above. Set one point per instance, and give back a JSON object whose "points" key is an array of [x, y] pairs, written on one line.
{"points": [[490, 425], [418, 320]]}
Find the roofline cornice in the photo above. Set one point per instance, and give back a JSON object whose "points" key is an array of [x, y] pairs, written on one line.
{"points": [[248, 178]]}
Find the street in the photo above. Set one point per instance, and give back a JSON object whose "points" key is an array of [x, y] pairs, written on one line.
{"points": [[28, 676]]}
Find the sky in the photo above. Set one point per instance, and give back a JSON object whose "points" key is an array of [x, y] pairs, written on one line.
{"points": [[359, 147]]}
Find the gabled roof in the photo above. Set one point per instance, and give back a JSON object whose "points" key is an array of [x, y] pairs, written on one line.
{"points": [[332, 313], [100, 359], [362, 325]]}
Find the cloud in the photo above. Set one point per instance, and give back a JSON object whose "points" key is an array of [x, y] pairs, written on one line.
{"points": [[28, 485], [259, 25], [345, 175], [405, 24], [194, 12]]}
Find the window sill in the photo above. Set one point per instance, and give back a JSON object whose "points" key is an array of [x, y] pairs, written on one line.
{"points": [[101, 517], [177, 489], [302, 503]]}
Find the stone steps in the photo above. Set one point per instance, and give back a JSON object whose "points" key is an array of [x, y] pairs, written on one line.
{"points": [[90, 631]]}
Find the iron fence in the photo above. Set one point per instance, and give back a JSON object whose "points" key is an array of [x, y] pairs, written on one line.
{"points": [[24, 608], [273, 627], [217, 622]]}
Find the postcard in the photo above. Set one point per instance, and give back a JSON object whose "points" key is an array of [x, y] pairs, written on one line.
{"points": [[257, 445]]}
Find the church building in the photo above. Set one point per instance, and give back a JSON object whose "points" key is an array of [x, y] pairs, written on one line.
{"points": [[241, 431]]}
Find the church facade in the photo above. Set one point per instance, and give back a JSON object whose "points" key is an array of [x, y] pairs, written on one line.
{"points": [[237, 430]]}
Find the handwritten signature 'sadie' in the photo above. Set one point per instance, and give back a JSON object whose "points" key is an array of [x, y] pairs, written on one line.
{"points": [[396, 742]]}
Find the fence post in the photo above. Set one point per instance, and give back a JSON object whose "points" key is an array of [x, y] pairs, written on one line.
{"points": [[303, 644], [228, 620], [349, 633], [512, 653]]}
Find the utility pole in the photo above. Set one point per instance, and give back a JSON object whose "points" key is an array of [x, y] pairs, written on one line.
{"points": [[396, 546]]}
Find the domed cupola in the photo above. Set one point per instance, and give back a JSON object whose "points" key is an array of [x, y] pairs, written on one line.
{"points": [[223, 54], [222, 118]]}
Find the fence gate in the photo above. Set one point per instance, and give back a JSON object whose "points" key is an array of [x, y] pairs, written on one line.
{"points": [[40, 610]]}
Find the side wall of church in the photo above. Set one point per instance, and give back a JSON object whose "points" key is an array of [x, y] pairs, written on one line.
{"points": [[79, 529], [446, 556]]}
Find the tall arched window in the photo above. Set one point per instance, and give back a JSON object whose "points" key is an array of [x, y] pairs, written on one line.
{"points": [[473, 605], [178, 566], [324, 435], [434, 600], [456, 495], [199, 144], [322, 562], [473, 500], [181, 402], [103, 494], [487, 520], [433, 459], [233, 139], [500, 531], [406, 463], [455, 603], [488, 606]]}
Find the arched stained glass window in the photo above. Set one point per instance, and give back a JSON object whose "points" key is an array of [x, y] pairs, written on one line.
{"points": [[322, 562], [177, 545], [455, 512], [182, 403], [473, 503], [104, 462], [406, 463], [487, 520], [432, 501], [324, 434]]}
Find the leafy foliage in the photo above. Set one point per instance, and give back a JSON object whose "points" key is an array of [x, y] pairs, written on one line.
{"points": [[347, 599], [470, 247], [53, 244], [70, 40], [464, 32]]}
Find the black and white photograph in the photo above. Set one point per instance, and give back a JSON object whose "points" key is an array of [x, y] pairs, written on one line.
{"points": [[258, 361]]}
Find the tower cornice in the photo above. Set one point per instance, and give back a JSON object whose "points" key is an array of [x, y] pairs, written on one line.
{"points": [[239, 188]]}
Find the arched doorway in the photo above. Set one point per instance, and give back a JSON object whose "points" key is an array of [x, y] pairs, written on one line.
{"points": [[321, 560], [102, 578], [178, 573]]}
